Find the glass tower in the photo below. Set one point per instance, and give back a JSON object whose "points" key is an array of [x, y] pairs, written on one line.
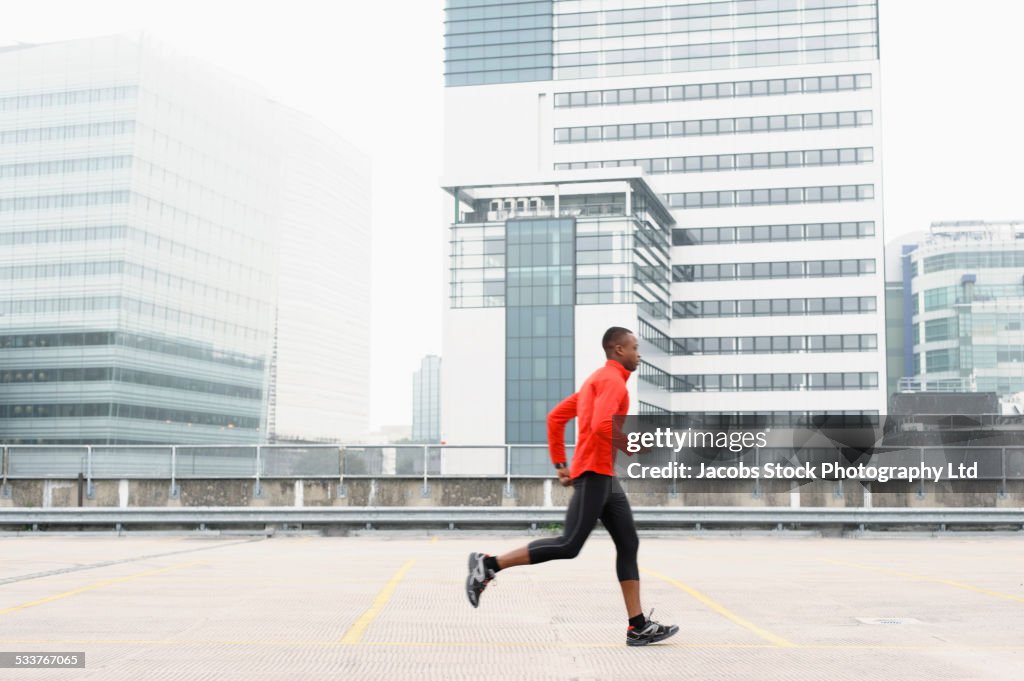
{"points": [[501, 41], [141, 207], [426, 400], [323, 289]]}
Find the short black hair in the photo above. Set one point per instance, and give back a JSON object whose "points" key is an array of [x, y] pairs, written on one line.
{"points": [[612, 337]]}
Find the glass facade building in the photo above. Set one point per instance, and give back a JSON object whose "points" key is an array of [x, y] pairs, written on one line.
{"points": [[501, 41], [967, 308], [646, 38], [140, 216], [540, 253], [426, 400], [497, 42], [323, 288], [140, 275], [539, 298]]}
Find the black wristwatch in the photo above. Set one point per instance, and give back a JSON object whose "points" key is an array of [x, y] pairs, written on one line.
{"points": [[561, 465]]}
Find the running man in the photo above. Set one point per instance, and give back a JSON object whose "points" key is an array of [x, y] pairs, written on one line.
{"points": [[597, 493]]}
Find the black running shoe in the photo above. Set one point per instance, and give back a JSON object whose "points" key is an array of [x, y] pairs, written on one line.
{"points": [[478, 579], [651, 632]]}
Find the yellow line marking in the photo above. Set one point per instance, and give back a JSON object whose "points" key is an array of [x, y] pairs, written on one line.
{"points": [[98, 585], [303, 583], [355, 634], [723, 611], [925, 578], [496, 644], [434, 540]]}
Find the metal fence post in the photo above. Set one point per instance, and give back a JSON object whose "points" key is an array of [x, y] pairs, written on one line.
{"points": [[920, 483], [757, 466], [90, 490], [258, 491], [5, 489], [342, 492], [425, 491], [508, 471], [675, 492], [1002, 481], [174, 471]]}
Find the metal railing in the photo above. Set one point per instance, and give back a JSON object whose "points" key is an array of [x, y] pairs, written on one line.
{"points": [[424, 462], [590, 210], [458, 517], [259, 462]]}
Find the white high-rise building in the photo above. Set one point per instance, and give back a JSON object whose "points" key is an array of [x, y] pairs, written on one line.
{"points": [[707, 174]]}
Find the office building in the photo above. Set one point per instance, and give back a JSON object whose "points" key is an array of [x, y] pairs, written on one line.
{"points": [[707, 174], [321, 368], [965, 287], [426, 400], [141, 211], [894, 335]]}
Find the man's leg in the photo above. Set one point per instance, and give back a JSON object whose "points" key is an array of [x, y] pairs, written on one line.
{"points": [[590, 491], [631, 596], [520, 556], [617, 518]]}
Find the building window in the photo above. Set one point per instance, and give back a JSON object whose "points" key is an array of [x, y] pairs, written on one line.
{"points": [[773, 307], [943, 360], [722, 90], [66, 132], [772, 382], [717, 126], [539, 323], [774, 196], [939, 330], [498, 43], [696, 236], [796, 269], [749, 345], [973, 260], [726, 162]]}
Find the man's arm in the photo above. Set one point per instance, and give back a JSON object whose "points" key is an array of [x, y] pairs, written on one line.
{"points": [[563, 412]]}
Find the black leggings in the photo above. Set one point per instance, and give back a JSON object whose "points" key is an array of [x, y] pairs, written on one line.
{"points": [[595, 497]]}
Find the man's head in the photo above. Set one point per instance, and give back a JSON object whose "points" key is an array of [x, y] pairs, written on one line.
{"points": [[621, 345]]}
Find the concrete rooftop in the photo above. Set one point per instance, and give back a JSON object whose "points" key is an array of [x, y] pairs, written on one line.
{"points": [[391, 606]]}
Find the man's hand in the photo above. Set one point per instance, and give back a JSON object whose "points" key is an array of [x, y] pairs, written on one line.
{"points": [[563, 477]]}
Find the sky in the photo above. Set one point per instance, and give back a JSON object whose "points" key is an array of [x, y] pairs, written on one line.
{"points": [[952, 141]]}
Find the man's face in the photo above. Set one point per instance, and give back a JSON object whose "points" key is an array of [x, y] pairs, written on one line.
{"points": [[628, 352]]}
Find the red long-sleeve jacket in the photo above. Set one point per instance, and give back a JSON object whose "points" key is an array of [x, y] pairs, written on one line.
{"points": [[601, 397]]}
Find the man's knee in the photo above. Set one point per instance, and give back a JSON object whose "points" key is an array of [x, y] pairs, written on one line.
{"points": [[560, 548], [571, 549], [629, 544]]}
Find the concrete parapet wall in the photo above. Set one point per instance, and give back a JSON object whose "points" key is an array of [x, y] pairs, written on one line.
{"points": [[464, 491]]}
